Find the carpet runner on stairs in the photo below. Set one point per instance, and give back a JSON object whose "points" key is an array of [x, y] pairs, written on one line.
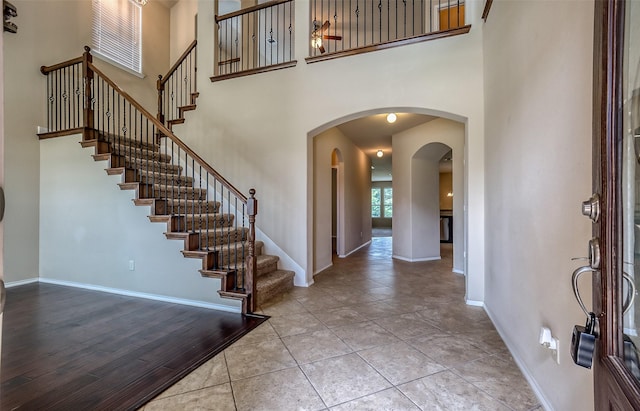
{"points": [[186, 210]]}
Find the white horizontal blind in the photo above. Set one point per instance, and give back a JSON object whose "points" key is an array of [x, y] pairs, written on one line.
{"points": [[117, 27]]}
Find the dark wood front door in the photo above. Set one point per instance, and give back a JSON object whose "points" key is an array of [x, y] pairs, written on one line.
{"points": [[616, 180]]}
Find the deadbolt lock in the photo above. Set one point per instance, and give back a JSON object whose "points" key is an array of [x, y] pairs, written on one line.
{"points": [[591, 208]]}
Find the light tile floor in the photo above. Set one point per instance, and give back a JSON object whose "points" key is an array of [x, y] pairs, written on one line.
{"points": [[372, 333]]}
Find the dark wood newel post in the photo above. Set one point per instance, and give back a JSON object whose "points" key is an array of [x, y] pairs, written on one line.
{"points": [[87, 112], [252, 211], [160, 87]]}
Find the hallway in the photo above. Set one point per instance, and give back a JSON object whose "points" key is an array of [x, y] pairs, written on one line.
{"points": [[372, 333]]}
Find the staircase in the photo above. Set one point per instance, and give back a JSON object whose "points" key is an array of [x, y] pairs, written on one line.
{"points": [[199, 207]]}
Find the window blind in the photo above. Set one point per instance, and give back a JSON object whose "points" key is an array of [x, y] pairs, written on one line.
{"points": [[116, 28]]}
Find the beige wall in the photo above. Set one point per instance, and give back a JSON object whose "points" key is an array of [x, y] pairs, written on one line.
{"points": [[260, 134], [538, 84], [90, 234], [41, 41], [409, 183], [354, 197], [183, 27]]}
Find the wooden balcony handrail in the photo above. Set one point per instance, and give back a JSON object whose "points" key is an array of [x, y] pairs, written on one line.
{"points": [[250, 9], [177, 64], [164, 130], [389, 44]]}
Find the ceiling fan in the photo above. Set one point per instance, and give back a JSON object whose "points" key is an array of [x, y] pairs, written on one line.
{"points": [[318, 34]]}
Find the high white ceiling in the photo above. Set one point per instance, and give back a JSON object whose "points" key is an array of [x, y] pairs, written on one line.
{"points": [[373, 133]]}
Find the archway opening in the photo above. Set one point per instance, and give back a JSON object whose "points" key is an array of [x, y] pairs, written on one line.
{"points": [[352, 177]]}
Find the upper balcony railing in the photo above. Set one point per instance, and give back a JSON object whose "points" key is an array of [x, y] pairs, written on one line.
{"points": [[255, 39], [348, 27], [261, 38]]}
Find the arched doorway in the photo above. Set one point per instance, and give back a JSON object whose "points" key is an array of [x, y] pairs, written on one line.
{"points": [[356, 166]]}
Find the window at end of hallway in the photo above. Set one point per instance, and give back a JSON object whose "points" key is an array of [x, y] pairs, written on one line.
{"points": [[382, 202], [375, 202], [388, 202], [117, 33]]}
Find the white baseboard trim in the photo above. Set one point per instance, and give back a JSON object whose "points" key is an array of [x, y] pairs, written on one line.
{"points": [[21, 282], [475, 303], [356, 249], [525, 371], [155, 297], [455, 270], [415, 260]]}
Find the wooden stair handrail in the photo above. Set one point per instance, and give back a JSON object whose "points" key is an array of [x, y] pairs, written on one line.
{"points": [[250, 9], [172, 70], [170, 134], [48, 69]]}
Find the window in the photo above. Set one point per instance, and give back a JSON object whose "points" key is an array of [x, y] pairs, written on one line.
{"points": [[375, 202], [117, 28], [381, 202], [388, 202]]}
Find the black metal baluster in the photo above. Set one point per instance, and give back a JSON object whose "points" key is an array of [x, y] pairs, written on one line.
{"points": [[328, 45], [207, 210], [357, 23], [215, 222], [380, 18], [193, 204], [57, 94], [69, 97]]}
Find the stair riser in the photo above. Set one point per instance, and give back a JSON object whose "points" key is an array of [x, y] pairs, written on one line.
{"points": [[281, 286], [228, 254], [144, 165], [165, 180], [140, 154], [231, 256], [210, 240], [207, 224], [186, 208], [154, 167], [128, 142], [264, 296], [182, 223], [267, 268], [178, 194], [162, 208]]}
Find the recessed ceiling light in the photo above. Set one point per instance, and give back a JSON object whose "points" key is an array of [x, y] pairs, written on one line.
{"points": [[380, 153], [391, 118]]}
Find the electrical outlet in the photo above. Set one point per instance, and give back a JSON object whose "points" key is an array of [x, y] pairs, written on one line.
{"points": [[132, 265]]}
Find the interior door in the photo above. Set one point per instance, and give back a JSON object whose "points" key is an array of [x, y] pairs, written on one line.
{"points": [[615, 207]]}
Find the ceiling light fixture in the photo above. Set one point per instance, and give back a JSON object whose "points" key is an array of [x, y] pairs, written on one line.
{"points": [[391, 118], [316, 40], [141, 2], [380, 153]]}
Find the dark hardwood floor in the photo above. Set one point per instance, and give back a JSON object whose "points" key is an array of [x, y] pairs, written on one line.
{"points": [[65, 348]]}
